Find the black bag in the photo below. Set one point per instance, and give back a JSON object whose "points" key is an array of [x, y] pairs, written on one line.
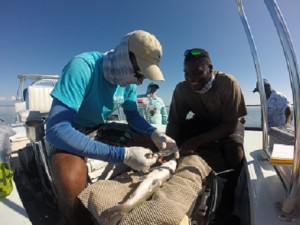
{"points": [[118, 134]]}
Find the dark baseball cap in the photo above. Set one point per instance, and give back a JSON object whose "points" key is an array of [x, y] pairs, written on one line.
{"points": [[197, 53], [266, 82], [153, 84]]}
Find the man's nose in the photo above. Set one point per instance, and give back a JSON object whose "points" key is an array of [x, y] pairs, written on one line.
{"points": [[193, 79]]}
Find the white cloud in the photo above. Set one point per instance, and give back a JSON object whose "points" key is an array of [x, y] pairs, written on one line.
{"points": [[11, 98]]}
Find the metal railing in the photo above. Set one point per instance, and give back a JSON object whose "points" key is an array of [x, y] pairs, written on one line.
{"points": [[262, 94], [286, 209]]}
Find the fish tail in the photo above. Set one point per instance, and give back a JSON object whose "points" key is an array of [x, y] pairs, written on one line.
{"points": [[114, 214]]}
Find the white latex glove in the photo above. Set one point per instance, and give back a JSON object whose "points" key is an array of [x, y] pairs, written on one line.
{"points": [[136, 159], [165, 143]]}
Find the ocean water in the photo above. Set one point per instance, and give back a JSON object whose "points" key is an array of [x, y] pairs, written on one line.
{"points": [[8, 113], [253, 119]]}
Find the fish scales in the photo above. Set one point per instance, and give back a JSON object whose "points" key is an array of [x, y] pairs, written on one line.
{"points": [[149, 185]]}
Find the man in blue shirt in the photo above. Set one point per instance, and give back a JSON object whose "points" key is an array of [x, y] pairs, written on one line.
{"points": [[92, 86]]}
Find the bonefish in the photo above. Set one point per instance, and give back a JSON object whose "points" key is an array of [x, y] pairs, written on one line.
{"points": [[151, 182]]}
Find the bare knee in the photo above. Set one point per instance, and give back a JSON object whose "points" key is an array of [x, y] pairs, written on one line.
{"points": [[70, 178], [69, 172]]}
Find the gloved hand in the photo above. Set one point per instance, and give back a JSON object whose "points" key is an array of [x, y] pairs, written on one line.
{"points": [[136, 159], [164, 142]]}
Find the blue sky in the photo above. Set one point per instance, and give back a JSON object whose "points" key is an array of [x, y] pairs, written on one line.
{"points": [[42, 36]]}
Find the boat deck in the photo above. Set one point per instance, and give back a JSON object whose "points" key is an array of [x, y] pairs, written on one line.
{"points": [[11, 207], [264, 185]]}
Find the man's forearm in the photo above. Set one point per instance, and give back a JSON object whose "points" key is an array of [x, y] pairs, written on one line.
{"points": [[218, 132]]}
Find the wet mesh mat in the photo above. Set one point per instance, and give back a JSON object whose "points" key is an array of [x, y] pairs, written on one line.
{"points": [[167, 206]]}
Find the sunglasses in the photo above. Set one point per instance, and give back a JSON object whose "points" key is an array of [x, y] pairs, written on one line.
{"points": [[136, 70], [195, 52], [138, 75]]}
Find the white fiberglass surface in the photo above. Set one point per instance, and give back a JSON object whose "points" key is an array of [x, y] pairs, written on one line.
{"points": [[264, 185]]}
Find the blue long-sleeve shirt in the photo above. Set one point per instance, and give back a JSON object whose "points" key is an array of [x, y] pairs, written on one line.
{"points": [[82, 99]]}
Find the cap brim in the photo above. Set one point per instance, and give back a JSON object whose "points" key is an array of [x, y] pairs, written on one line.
{"points": [[255, 90], [149, 70]]}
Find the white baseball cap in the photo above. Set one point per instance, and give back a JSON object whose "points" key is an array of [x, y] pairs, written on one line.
{"points": [[147, 51]]}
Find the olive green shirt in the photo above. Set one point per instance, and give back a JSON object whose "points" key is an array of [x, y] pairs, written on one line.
{"points": [[224, 102]]}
